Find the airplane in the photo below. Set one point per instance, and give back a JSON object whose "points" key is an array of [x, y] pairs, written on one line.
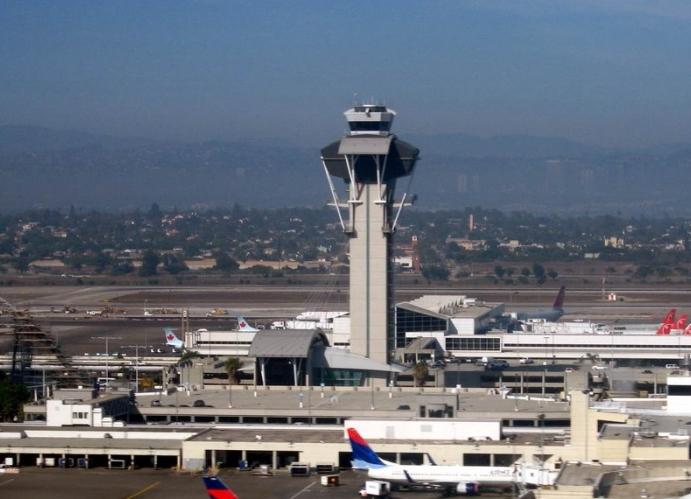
{"points": [[551, 314], [464, 480], [217, 489], [244, 326], [171, 339], [670, 324]]}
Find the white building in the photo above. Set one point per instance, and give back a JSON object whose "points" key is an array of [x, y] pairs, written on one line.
{"points": [[85, 408]]}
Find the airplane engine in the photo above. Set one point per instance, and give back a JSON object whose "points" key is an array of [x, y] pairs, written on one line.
{"points": [[468, 488]]}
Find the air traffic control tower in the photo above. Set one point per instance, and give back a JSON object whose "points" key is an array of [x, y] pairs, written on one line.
{"points": [[370, 160]]}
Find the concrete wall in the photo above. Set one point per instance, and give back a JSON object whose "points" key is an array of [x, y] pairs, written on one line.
{"points": [[463, 326], [369, 268], [426, 430], [60, 412]]}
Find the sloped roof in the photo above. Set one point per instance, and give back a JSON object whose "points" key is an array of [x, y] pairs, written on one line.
{"points": [[289, 343], [338, 358]]}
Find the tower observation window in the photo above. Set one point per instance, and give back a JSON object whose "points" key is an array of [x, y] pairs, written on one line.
{"points": [[370, 126]]}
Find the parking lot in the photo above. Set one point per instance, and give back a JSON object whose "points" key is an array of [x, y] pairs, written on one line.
{"points": [[149, 484]]}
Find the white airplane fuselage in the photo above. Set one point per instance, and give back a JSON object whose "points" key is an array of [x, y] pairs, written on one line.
{"points": [[444, 475]]}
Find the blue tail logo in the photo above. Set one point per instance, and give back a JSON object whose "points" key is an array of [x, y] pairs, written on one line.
{"points": [[364, 457]]}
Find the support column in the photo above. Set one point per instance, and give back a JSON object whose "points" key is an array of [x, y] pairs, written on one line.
{"points": [[544, 376], [110, 461], [274, 460], [213, 458], [132, 462], [155, 461]]}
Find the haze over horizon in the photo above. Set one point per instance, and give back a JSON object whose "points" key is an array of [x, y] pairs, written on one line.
{"points": [[613, 73]]}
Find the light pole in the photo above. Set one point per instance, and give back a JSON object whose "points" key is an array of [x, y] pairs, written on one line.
{"points": [[136, 363], [107, 353]]}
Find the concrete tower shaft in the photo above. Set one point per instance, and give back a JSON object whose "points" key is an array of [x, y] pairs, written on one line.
{"points": [[370, 160]]}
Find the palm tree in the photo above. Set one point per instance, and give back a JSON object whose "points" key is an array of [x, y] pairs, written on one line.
{"points": [[232, 366], [186, 359], [420, 372]]}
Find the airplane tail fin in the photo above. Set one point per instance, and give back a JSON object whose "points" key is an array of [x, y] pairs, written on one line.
{"points": [[243, 325], [681, 321], [667, 322], [664, 329], [364, 457], [171, 339], [217, 489], [559, 300], [669, 316]]}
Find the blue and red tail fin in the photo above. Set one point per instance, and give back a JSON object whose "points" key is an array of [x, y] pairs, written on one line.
{"points": [[364, 457], [217, 489], [559, 300]]}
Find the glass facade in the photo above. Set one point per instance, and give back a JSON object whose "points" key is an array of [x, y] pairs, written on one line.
{"points": [[415, 322], [338, 377], [476, 343]]}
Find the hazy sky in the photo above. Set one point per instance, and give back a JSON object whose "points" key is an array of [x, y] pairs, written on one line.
{"points": [[607, 72]]}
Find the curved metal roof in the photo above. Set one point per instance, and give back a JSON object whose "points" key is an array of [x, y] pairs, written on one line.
{"points": [[289, 343]]}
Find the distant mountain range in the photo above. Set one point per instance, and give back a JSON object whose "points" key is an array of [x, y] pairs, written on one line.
{"points": [[41, 167]]}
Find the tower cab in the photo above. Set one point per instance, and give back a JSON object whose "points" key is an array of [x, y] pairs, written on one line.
{"points": [[370, 120]]}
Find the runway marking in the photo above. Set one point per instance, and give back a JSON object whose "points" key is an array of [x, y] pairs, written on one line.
{"points": [[8, 481], [305, 489], [145, 489]]}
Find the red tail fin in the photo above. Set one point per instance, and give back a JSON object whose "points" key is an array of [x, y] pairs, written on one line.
{"points": [[664, 329], [559, 300], [681, 321], [669, 317]]}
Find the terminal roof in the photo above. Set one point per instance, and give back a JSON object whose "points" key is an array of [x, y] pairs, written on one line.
{"points": [[289, 343]]}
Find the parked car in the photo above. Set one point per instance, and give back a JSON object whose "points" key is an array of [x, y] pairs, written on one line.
{"points": [[497, 365], [526, 360]]}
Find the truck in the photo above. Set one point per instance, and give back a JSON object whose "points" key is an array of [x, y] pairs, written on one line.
{"points": [[376, 488]]}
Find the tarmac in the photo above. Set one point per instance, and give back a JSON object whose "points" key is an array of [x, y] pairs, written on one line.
{"points": [[33, 483]]}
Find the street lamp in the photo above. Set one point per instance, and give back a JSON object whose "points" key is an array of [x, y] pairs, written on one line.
{"points": [[107, 353], [136, 363]]}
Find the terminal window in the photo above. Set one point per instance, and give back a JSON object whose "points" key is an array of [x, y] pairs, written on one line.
{"points": [[474, 343], [415, 322]]}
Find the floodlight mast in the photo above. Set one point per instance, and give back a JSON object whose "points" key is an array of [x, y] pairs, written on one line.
{"points": [[370, 159]]}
